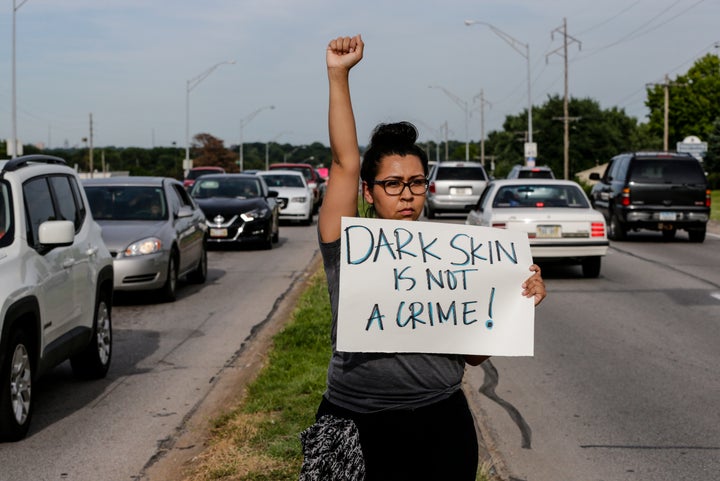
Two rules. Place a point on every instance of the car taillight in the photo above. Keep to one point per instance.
(597, 229)
(431, 187)
(499, 225)
(708, 198)
(539, 204)
(625, 197)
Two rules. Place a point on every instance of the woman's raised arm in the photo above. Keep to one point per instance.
(343, 53)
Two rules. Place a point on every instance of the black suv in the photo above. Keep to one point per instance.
(653, 190)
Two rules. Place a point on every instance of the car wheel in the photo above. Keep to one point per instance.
(169, 290)
(94, 361)
(591, 266)
(199, 275)
(16, 403)
(276, 230)
(669, 234)
(697, 235)
(616, 231)
(429, 213)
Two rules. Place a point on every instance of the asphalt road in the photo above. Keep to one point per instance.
(166, 359)
(624, 384)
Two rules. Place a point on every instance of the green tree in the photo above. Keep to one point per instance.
(694, 102)
(595, 136)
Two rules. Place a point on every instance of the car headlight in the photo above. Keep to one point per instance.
(143, 247)
(254, 214)
(300, 200)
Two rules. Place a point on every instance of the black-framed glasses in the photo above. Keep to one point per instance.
(417, 186)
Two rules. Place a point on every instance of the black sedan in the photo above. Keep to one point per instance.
(239, 208)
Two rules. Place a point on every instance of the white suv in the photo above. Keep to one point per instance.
(56, 280)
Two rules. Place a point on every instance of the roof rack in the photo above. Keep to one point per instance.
(25, 160)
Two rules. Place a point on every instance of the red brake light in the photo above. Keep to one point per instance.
(708, 198)
(539, 204)
(625, 197)
(499, 225)
(431, 187)
(597, 229)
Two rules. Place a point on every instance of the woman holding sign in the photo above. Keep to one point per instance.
(384, 416)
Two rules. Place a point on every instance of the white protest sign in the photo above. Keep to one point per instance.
(435, 288)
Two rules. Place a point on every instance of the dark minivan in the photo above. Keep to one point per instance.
(661, 191)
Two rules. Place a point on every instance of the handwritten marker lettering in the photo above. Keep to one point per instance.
(489, 323)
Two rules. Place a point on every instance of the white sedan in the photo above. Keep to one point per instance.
(556, 215)
(294, 194)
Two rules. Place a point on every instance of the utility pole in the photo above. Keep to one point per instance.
(666, 107)
(566, 117)
(481, 95)
(90, 145)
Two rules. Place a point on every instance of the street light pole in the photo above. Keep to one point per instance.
(463, 105)
(191, 84)
(243, 123)
(515, 44)
(16, 7)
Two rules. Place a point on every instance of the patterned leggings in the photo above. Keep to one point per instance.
(435, 442)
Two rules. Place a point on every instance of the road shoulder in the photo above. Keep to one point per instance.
(175, 456)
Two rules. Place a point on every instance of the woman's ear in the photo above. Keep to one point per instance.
(367, 193)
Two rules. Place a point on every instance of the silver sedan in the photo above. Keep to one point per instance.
(154, 230)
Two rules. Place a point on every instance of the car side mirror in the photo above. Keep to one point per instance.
(184, 212)
(56, 233)
(594, 176)
(273, 193)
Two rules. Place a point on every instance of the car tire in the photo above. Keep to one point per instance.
(276, 231)
(616, 231)
(199, 275)
(669, 234)
(429, 213)
(93, 362)
(591, 266)
(169, 290)
(697, 235)
(16, 376)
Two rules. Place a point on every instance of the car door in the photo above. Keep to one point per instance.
(189, 229)
(55, 269)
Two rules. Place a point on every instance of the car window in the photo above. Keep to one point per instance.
(182, 195)
(39, 207)
(512, 196)
(283, 180)
(460, 173)
(662, 171)
(66, 201)
(230, 187)
(6, 218)
(123, 202)
(535, 174)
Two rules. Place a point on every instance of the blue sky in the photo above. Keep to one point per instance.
(128, 63)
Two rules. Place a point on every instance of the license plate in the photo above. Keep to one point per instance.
(218, 232)
(460, 190)
(667, 216)
(548, 231)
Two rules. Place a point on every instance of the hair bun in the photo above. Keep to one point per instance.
(399, 134)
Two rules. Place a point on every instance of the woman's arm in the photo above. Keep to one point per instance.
(343, 53)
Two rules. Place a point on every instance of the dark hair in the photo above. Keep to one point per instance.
(391, 139)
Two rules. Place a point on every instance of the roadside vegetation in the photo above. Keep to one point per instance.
(715, 209)
(258, 440)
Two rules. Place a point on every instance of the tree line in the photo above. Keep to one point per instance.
(596, 134)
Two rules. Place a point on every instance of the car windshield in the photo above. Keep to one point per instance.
(460, 173)
(194, 174)
(283, 180)
(126, 202)
(663, 171)
(228, 187)
(6, 220)
(514, 196)
(535, 174)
